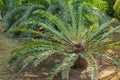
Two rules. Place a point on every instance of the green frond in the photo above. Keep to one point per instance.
(64, 66)
(27, 14)
(26, 61)
(109, 45)
(9, 15)
(36, 62)
(95, 14)
(40, 56)
(93, 64)
(98, 30)
(24, 30)
(77, 23)
(81, 30)
(113, 58)
(34, 32)
(52, 29)
(18, 53)
(14, 15)
(57, 21)
(109, 32)
(32, 47)
(60, 24)
(54, 71)
(73, 25)
(60, 35)
(73, 17)
(26, 45)
(67, 64)
(35, 43)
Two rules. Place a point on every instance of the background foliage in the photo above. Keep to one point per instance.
(14, 17)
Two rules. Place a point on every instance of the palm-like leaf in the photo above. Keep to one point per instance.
(64, 66)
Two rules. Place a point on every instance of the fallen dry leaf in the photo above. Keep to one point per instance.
(30, 75)
(110, 51)
(45, 73)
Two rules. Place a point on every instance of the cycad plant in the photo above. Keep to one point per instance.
(73, 39)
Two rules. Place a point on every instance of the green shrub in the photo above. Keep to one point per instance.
(116, 8)
(16, 11)
(72, 39)
(13, 18)
(18, 15)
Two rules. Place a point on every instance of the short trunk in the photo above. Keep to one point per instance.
(80, 63)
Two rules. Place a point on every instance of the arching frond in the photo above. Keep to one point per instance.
(109, 32)
(113, 58)
(64, 67)
(99, 30)
(27, 61)
(57, 21)
(31, 47)
(93, 64)
(25, 30)
(11, 16)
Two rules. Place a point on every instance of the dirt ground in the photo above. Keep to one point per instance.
(107, 70)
